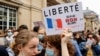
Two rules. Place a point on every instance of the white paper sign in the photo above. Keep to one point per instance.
(58, 17)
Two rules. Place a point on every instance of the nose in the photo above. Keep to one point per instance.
(36, 51)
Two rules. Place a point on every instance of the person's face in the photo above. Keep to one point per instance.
(31, 48)
(90, 36)
(14, 29)
(85, 33)
(41, 34)
(77, 35)
(9, 33)
(53, 48)
(41, 31)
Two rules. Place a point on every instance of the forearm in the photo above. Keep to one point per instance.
(64, 48)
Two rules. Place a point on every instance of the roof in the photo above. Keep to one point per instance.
(90, 13)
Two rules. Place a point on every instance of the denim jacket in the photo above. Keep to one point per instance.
(96, 50)
(77, 53)
(83, 49)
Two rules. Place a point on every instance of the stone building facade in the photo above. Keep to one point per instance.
(16, 12)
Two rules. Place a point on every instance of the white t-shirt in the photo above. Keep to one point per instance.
(10, 39)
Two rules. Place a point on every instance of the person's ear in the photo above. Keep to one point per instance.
(19, 47)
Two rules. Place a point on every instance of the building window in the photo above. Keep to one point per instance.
(8, 17)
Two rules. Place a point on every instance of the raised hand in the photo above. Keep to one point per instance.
(66, 34)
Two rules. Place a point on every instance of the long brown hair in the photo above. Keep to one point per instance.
(55, 40)
(71, 48)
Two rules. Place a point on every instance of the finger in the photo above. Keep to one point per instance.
(69, 35)
(63, 34)
(67, 30)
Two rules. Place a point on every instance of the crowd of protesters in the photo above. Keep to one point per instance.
(35, 42)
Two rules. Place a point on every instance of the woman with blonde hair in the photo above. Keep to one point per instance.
(26, 43)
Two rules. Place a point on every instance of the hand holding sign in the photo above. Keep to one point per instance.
(66, 34)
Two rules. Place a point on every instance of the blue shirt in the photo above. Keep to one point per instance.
(96, 50)
(77, 53)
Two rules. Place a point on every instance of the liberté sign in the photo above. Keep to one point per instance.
(58, 17)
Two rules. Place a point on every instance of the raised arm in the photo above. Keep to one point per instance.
(65, 36)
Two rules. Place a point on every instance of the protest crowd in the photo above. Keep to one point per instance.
(35, 42)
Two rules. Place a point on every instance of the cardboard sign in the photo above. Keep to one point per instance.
(58, 17)
(39, 23)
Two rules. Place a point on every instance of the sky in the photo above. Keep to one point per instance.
(93, 5)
